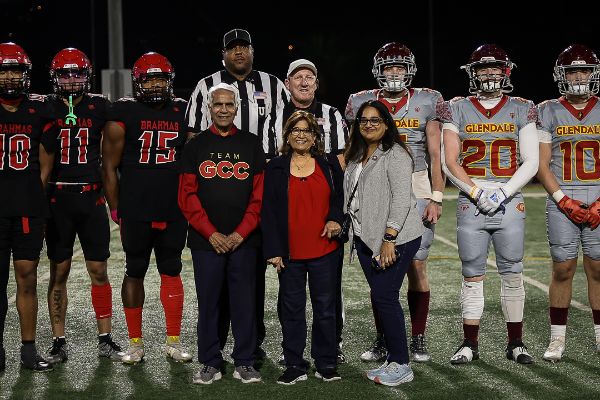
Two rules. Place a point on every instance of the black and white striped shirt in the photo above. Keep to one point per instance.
(333, 126)
(262, 95)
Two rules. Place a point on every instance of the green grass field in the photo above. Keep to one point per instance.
(85, 376)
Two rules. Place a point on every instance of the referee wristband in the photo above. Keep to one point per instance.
(437, 196)
(558, 195)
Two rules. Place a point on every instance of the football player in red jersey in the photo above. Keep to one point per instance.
(144, 139)
(569, 144)
(24, 168)
(77, 205)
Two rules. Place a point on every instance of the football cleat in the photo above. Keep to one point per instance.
(555, 349)
(466, 353)
(135, 352)
(377, 352)
(517, 352)
(207, 375)
(175, 351)
(418, 349)
(109, 349)
(30, 359)
(59, 352)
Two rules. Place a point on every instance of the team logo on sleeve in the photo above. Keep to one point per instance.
(520, 207)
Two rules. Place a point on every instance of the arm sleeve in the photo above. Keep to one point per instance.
(251, 217)
(529, 150)
(400, 178)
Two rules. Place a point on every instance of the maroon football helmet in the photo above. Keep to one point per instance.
(486, 56)
(394, 54)
(13, 57)
(577, 57)
(71, 73)
(152, 65)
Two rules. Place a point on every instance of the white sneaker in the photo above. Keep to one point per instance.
(555, 349)
(135, 352)
(175, 351)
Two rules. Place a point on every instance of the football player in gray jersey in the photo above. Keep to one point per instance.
(490, 152)
(415, 113)
(569, 131)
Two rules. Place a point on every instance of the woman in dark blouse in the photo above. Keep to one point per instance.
(301, 215)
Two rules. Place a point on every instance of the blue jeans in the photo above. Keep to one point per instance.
(322, 281)
(385, 292)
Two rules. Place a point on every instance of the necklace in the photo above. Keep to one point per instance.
(300, 166)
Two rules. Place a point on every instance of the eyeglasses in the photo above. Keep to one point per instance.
(374, 121)
(298, 131)
(310, 79)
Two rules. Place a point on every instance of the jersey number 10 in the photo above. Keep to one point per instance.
(17, 147)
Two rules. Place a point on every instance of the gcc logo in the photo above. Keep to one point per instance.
(224, 169)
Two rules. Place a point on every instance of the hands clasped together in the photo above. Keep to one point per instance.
(225, 243)
(579, 212)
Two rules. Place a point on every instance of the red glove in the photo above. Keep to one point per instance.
(573, 209)
(593, 216)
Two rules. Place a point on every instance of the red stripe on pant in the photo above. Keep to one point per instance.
(25, 223)
(102, 300)
(171, 297)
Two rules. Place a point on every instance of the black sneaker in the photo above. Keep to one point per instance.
(517, 352)
(30, 359)
(2, 359)
(418, 349)
(59, 351)
(109, 349)
(292, 375)
(328, 375)
(341, 357)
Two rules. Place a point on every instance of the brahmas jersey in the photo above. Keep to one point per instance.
(575, 140)
(489, 138)
(411, 114)
(21, 133)
(154, 140)
(77, 157)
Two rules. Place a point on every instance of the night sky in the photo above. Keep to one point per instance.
(341, 40)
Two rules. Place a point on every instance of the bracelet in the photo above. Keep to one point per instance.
(389, 241)
(437, 196)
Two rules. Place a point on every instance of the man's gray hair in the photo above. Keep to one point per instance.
(225, 86)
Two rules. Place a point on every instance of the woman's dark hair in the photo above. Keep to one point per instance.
(356, 150)
(318, 148)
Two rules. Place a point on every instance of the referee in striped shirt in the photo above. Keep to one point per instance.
(302, 83)
(262, 95)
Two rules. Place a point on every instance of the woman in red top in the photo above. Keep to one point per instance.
(301, 215)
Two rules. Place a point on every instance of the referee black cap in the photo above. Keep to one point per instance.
(236, 35)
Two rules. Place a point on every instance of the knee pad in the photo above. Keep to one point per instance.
(136, 268)
(170, 267)
(471, 299)
(426, 241)
(512, 297)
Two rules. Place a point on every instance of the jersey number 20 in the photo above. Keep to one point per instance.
(476, 150)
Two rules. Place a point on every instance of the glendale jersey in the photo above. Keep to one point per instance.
(575, 140)
(154, 139)
(77, 157)
(411, 114)
(21, 133)
(489, 138)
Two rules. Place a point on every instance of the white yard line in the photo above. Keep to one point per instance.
(527, 279)
(46, 276)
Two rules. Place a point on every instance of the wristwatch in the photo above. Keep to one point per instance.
(388, 237)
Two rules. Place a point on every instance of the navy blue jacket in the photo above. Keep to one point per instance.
(274, 214)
